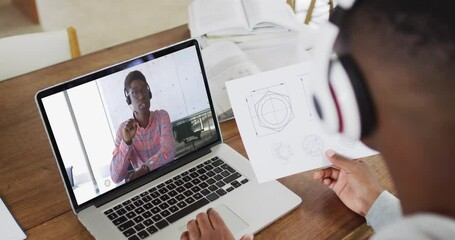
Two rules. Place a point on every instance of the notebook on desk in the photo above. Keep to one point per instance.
(188, 170)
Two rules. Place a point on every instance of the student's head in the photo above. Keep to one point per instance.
(137, 91)
(405, 50)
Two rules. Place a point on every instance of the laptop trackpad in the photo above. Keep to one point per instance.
(234, 222)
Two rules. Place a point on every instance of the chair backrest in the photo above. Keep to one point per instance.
(25, 53)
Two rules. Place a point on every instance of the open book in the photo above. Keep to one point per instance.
(240, 17)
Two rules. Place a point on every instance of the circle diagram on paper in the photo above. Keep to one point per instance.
(313, 145)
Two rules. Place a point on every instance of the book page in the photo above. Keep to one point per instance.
(210, 16)
(270, 13)
(279, 127)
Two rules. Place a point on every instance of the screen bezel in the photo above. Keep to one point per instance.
(126, 187)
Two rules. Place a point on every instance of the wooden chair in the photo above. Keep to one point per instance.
(25, 53)
(310, 8)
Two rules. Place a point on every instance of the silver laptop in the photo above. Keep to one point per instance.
(172, 169)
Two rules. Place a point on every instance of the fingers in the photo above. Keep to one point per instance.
(208, 225)
(129, 130)
(136, 124)
(203, 222)
(328, 181)
(131, 124)
(215, 219)
(330, 172)
(218, 223)
(339, 161)
(328, 176)
(193, 230)
(185, 236)
(247, 237)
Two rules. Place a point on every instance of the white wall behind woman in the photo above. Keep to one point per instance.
(176, 83)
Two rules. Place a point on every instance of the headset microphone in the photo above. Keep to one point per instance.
(132, 109)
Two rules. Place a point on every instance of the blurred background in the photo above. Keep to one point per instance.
(99, 24)
(105, 23)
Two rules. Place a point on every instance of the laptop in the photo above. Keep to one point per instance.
(83, 118)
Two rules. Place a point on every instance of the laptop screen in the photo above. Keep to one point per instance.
(129, 123)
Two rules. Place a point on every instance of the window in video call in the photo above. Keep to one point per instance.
(86, 120)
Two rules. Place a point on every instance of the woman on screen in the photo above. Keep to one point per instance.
(145, 141)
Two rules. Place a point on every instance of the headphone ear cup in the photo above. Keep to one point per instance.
(150, 92)
(355, 104)
(127, 97)
(323, 101)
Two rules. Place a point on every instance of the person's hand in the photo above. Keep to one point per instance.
(352, 181)
(141, 172)
(208, 226)
(129, 131)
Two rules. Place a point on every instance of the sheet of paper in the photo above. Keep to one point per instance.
(279, 127)
(9, 229)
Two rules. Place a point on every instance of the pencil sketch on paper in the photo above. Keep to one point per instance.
(313, 145)
(282, 152)
(270, 109)
(279, 125)
(347, 142)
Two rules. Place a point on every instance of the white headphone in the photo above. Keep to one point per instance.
(340, 95)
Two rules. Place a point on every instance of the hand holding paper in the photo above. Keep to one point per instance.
(279, 127)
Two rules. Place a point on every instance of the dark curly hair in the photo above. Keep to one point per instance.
(418, 29)
(414, 36)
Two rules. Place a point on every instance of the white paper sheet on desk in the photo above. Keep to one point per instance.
(9, 229)
(278, 126)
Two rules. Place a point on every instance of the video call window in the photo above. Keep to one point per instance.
(85, 119)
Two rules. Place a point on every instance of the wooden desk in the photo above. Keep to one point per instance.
(31, 186)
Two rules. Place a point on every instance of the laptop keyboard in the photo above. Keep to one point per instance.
(164, 204)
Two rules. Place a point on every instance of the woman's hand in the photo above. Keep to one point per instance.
(129, 131)
(141, 172)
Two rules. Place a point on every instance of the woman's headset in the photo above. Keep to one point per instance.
(128, 97)
(340, 95)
